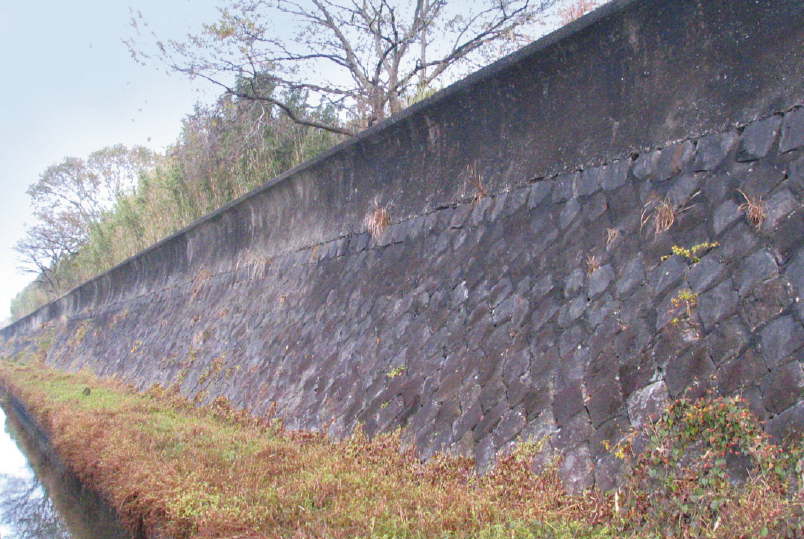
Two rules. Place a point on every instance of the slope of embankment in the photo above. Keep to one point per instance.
(603, 221)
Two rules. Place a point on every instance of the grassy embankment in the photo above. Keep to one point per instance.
(183, 471)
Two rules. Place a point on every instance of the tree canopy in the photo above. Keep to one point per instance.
(365, 59)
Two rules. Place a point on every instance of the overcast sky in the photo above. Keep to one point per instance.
(70, 87)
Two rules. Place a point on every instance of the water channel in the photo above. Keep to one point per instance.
(39, 499)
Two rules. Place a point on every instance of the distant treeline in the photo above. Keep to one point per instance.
(91, 214)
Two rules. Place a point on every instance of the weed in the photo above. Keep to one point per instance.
(592, 264)
(691, 254)
(377, 220)
(213, 471)
(474, 180)
(710, 470)
(202, 277)
(681, 311)
(137, 345)
(659, 213)
(754, 210)
(396, 371)
(611, 236)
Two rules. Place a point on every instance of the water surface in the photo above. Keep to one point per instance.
(39, 499)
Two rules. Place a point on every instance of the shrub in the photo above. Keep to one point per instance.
(708, 469)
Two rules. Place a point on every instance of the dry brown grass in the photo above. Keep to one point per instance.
(754, 210)
(474, 180)
(611, 236)
(592, 264)
(659, 214)
(215, 472)
(176, 470)
(377, 220)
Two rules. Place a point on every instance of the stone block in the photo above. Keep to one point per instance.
(766, 302)
(570, 340)
(615, 174)
(727, 340)
(712, 150)
(683, 188)
(646, 404)
(783, 387)
(688, 370)
(574, 282)
(609, 434)
(645, 163)
(509, 426)
(539, 191)
(736, 242)
(787, 237)
(705, 273)
(500, 291)
(632, 276)
(792, 136)
(568, 402)
(667, 275)
(497, 210)
(542, 286)
(605, 403)
(544, 313)
(577, 470)
(595, 207)
(788, 425)
(757, 139)
(517, 198)
(590, 181)
(598, 311)
(572, 310)
(599, 280)
(725, 214)
(795, 273)
(780, 339)
(741, 372)
(610, 471)
(479, 210)
(485, 453)
(566, 187)
(778, 207)
(489, 420)
(569, 213)
(574, 432)
(757, 268)
(717, 304)
(672, 160)
(469, 418)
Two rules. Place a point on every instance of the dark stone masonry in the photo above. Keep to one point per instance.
(554, 307)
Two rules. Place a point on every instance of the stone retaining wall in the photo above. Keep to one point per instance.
(552, 306)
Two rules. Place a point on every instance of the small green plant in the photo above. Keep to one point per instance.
(396, 371)
(137, 345)
(681, 306)
(692, 253)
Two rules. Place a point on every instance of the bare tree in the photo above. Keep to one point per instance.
(367, 58)
(69, 199)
